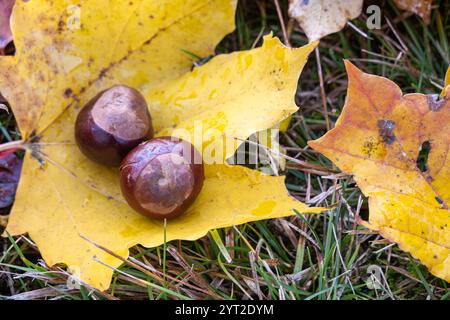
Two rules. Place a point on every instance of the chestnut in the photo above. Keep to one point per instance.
(162, 177)
(112, 123)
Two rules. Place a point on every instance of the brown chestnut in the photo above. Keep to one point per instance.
(112, 123)
(162, 177)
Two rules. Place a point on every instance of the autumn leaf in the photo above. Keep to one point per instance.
(5, 30)
(378, 138)
(63, 198)
(323, 17)
(420, 7)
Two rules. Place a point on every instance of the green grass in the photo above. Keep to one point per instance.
(321, 256)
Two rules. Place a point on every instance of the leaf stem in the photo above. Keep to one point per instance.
(19, 144)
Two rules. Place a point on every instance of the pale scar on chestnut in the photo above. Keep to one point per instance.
(112, 123)
(162, 177)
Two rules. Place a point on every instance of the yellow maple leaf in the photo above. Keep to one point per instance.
(64, 198)
(377, 138)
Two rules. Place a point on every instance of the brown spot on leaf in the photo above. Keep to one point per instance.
(33, 138)
(61, 25)
(439, 200)
(386, 130)
(104, 71)
(68, 92)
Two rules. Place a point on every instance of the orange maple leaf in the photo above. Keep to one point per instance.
(378, 138)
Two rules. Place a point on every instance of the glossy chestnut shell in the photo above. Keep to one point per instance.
(112, 123)
(162, 177)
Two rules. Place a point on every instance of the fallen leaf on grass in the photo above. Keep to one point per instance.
(5, 30)
(319, 18)
(420, 7)
(378, 138)
(63, 196)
